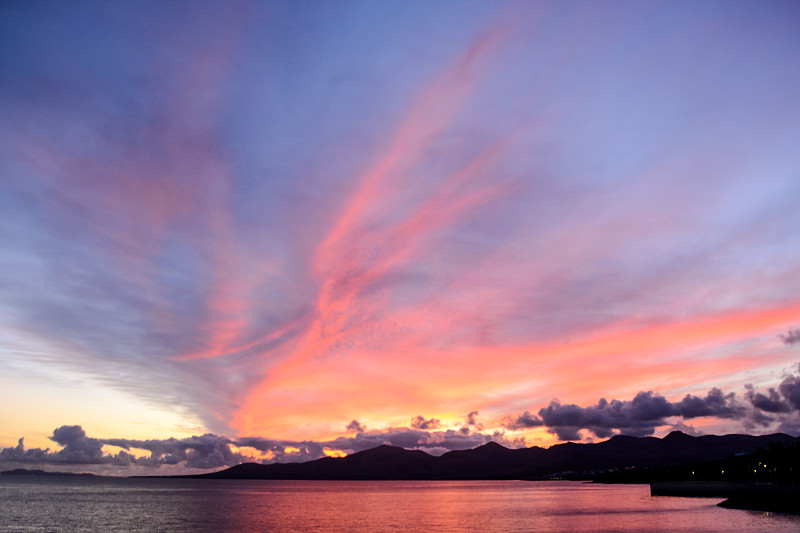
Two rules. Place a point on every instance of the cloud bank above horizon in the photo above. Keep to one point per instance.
(271, 220)
(637, 417)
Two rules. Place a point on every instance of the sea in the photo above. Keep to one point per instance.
(98, 504)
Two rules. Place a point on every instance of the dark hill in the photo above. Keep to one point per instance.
(25, 472)
(383, 462)
(493, 461)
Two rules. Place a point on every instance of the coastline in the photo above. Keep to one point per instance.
(766, 498)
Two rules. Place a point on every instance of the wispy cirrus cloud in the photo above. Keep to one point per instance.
(276, 220)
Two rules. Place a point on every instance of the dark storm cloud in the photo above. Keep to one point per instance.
(471, 423)
(211, 451)
(791, 337)
(790, 390)
(648, 411)
(419, 422)
(786, 399)
(771, 402)
(19, 454)
(204, 451)
(715, 404)
(283, 451)
(355, 427)
(78, 448)
(523, 421)
(638, 417)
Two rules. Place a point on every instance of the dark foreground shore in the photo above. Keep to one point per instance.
(770, 498)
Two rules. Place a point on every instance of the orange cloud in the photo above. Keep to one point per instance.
(388, 384)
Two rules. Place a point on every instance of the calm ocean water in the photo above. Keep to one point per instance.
(167, 505)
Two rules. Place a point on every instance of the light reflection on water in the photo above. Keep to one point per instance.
(175, 505)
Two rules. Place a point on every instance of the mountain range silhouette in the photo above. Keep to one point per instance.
(494, 461)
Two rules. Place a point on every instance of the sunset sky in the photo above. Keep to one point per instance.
(275, 230)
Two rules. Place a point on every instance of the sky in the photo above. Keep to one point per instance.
(273, 231)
